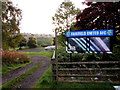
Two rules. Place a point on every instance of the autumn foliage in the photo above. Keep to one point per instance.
(10, 57)
(99, 16)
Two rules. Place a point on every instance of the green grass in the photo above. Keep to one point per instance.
(31, 48)
(40, 48)
(17, 49)
(9, 67)
(23, 48)
(46, 82)
(17, 80)
(11, 49)
(43, 53)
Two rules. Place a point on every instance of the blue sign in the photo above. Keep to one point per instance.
(90, 33)
(89, 45)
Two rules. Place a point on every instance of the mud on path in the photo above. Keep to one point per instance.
(31, 79)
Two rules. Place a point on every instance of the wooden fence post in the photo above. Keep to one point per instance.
(56, 62)
(53, 66)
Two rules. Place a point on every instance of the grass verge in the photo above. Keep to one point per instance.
(26, 48)
(17, 80)
(46, 82)
(40, 48)
(43, 53)
(17, 49)
(9, 67)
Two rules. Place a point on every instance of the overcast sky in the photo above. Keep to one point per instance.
(37, 14)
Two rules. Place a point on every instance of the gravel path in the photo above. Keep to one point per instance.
(30, 81)
(36, 75)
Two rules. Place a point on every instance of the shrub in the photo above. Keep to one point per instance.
(32, 42)
(44, 45)
(10, 57)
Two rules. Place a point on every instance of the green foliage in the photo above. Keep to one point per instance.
(116, 52)
(62, 39)
(62, 56)
(32, 42)
(23, 42)
(91, 57)
(44, 41)
(11, 17)
(115, 56)
(63, 19)
(65, 16)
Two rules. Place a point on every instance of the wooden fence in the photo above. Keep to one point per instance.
(86, 72)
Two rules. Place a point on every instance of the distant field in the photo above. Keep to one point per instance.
(43, 53)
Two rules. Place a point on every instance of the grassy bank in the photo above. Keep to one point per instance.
(25, 48)
(9, 67)
(46, 82)
(17, 80)
(43, 53)
(13, 59)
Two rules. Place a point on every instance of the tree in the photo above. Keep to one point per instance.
(44, 41)
(64, 17)
(32, 42)
(100, 15)
(14, 41)
(23, 42)
(62, 39)
(11, 17)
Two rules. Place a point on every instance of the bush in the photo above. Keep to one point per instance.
(116, 52)
(44, 45)
(44, 41)
(32, 42)
(62, 56)
(11, 57)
